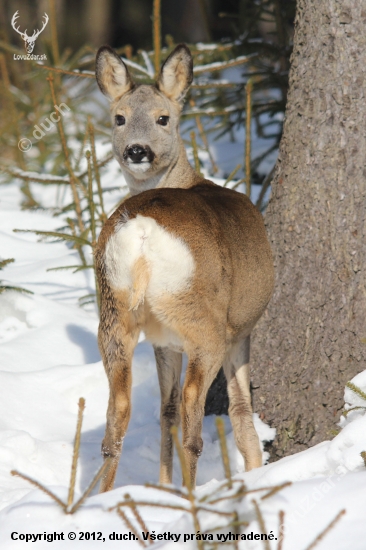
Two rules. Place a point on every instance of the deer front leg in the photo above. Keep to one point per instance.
(237, 371)
(169, 366)
(117, 341)
(201, 371)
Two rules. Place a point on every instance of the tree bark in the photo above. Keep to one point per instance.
(311, 340)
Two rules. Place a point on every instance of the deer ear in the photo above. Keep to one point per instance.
(176, 73)
(112, 75)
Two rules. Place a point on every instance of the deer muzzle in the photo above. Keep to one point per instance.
(137, 153)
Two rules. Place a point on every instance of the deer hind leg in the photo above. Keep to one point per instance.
(169, 365)
(201, 371)
(236, 368)
(117, 340)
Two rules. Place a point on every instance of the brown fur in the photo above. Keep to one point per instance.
(211, 319)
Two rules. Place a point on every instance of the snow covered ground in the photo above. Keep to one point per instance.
(49, 358)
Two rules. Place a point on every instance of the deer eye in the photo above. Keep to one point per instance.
(120, 120)
(163, 120)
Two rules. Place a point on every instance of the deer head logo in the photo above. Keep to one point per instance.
(29, 41)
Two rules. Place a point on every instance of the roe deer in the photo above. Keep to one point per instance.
(186, 261)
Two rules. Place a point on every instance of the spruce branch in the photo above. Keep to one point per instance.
(356, 390)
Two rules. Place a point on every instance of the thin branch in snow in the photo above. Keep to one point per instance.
(129, 526)
(41, 487)
(224, 454)
(275, 490)
(70, 498)
(136, 513)
(326, 530)
(281, 529)
(89, 489)
(261, 523)
(67, 508)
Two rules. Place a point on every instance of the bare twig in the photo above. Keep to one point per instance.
(41, 487)
(136, 513)
(67, 159)
(326, 530)
(183, 465)
(231, 175)
(54, 40)
(220, 426)
(265, 185)
(157, 35)
(130, 526)
(92, 222)
(83, 74)
(275, 490)
(89, 489)
(281, 529)
(204, 137)
(187, 482)
(75, 456)
(248, 135)
(195, 153)
(261, 523)
(103, 216)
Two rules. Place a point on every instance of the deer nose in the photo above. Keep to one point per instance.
(136, 153)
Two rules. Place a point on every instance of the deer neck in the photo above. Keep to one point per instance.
(179, 173)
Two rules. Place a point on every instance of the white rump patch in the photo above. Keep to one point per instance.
(170, 261)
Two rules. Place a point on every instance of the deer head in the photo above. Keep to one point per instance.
(29, 41)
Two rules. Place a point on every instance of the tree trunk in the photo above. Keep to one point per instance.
(311, 340)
